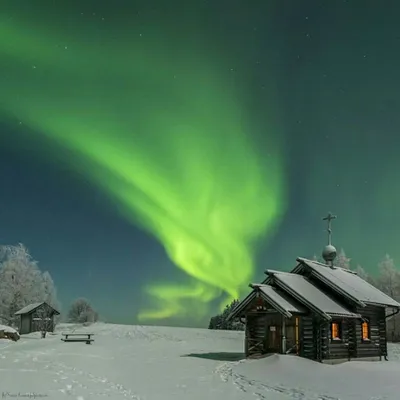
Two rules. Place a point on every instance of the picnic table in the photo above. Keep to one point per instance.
(78, 337)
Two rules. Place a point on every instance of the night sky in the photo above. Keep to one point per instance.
(157, 156)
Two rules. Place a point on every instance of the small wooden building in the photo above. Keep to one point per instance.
(316, 311)
(34, 317)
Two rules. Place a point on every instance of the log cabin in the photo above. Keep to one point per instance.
(317, 311)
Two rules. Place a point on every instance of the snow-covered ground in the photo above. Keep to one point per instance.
(160, 363)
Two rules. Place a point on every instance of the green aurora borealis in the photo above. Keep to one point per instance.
(224, 132)
(167, 138)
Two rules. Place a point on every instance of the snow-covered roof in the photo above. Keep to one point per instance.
(32, 307)
(348, 284)
(280, 300)
(27, 309)
(310, 296)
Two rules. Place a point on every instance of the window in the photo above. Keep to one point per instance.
(365, 331)
(336, 333)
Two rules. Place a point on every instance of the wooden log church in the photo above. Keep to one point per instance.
(317, 311)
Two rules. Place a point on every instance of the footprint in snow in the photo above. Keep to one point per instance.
(67, 390)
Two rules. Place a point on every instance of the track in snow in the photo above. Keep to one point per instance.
(262, 391)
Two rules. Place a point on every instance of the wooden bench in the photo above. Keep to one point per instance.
(78, 337)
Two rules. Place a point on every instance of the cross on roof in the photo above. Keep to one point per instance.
(329, 218)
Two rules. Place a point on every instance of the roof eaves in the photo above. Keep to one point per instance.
(340, 315)
(371, 303)
(30, 308)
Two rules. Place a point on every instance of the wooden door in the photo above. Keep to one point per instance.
(273, 339)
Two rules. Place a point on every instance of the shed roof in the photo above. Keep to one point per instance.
(310, 296)
(32, 307)
(348, 284)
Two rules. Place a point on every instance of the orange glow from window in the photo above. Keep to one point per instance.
(365, 330)
(335, 330)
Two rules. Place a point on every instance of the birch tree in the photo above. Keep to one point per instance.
(81, 311)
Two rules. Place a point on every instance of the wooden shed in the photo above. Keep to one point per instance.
(317, 311)
(35, 316)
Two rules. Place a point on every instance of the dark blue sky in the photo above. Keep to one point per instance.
(331, 69)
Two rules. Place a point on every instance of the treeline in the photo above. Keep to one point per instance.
(22, 283)
(386, 278)
(220, 321)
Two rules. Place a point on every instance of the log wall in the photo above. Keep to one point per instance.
(376, 346)
(307, 344)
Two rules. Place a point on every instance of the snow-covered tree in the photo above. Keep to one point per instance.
(317, 259)
(21, 282)
(221, 321)
(389, 277)
(50, 294)
(365, 275)
(342, 261)
(81, 311)
(50, 291)
(361, 272)
(389, 282)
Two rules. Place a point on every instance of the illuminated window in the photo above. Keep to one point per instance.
(365, 330)
(335, 331)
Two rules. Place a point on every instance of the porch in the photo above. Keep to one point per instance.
(271, 332)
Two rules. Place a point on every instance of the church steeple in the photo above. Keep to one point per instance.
(329, 253)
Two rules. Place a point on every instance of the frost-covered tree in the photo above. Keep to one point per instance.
(361, 272)
(81, 312)
(50, 291)
(389, 282)
(21, 282)
(50, 294)
(389, 277)
(342, 260)
(317, 259)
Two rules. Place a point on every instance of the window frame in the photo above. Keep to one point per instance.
(338, 339)
(368, 339)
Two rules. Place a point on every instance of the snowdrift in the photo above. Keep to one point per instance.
(161, 363)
